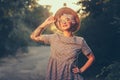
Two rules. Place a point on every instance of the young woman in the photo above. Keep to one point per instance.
(65, 47)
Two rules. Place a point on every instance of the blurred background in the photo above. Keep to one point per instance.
(23, 59)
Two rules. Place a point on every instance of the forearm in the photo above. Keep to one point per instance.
(36, 35)
(37, 31)
(88, 63)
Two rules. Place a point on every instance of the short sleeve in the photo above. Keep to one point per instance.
(85, 48)
(46, 38)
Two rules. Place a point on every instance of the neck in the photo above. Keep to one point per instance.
(68, 33)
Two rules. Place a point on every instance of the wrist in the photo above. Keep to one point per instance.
(42, 28)
(43, 25)
(80, 70)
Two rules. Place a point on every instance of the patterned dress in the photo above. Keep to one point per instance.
(63, 57)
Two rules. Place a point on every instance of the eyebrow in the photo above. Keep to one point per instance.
(69, 16)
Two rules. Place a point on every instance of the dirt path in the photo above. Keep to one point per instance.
(25, 66)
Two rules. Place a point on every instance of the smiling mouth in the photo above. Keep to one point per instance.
(64, 25)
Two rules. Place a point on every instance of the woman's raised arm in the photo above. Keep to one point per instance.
(36, 34)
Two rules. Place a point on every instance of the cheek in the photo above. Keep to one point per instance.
(69, 23)
(60, 25)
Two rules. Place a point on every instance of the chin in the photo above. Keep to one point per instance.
(66, 28)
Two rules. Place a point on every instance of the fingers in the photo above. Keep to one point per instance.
(75, 70)
(49, 20)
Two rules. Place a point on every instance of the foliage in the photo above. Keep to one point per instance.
(17, 20)
(111, 72)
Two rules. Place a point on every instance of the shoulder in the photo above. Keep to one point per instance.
(79, 38)
(48, 35)
(52, 36)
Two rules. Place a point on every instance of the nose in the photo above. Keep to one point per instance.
(64, 22)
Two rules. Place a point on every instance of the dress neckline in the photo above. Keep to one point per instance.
(65, 39)
(66, 36)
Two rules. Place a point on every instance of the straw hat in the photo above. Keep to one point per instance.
(66, 10)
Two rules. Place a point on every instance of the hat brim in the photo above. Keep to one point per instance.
(66, 10)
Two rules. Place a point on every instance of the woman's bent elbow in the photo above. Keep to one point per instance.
(37, 39)
(93, 57)
(33, 37)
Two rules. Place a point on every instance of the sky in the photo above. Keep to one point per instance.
(56, 4)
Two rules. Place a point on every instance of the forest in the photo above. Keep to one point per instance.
(101, 29)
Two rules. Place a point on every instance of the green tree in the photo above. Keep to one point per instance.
(110, 72)
(17, 19)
